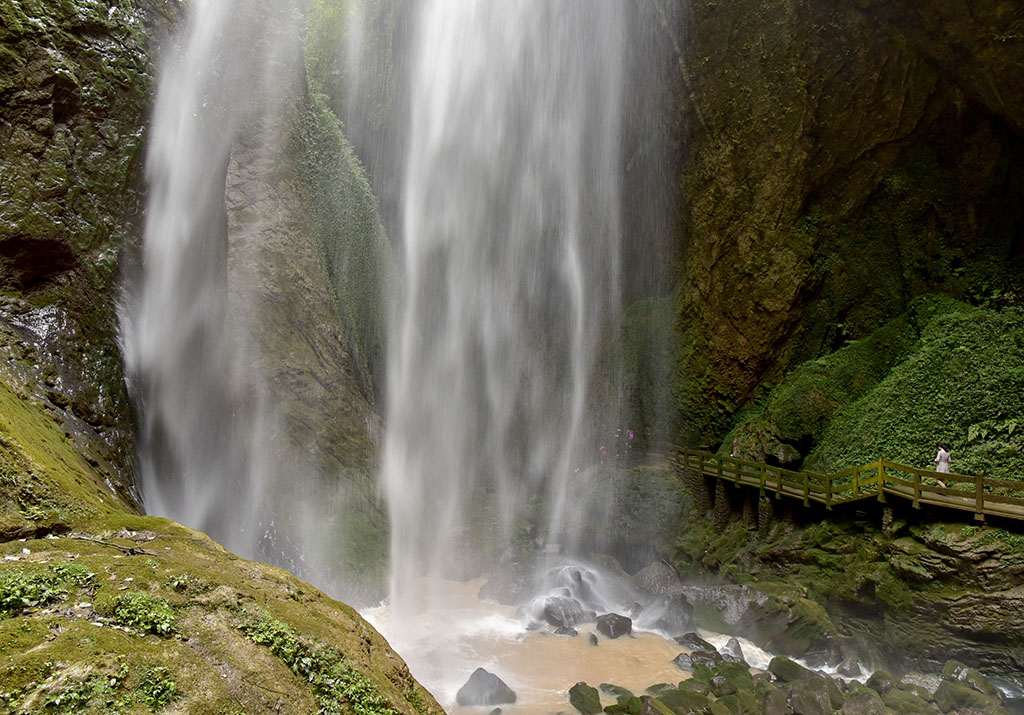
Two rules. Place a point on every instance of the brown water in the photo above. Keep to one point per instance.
(444, 646)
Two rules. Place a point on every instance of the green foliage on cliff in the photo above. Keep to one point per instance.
(943, 371)
(347, 226)
(962, 385)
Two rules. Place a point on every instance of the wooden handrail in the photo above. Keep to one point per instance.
(876, 480)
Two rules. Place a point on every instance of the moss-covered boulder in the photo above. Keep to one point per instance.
(103, 609)
(585, 698)
(952, 696)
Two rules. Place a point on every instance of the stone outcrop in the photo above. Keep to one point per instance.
(74, 100)
(837, 161)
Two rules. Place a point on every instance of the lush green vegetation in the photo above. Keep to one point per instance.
(943, 371)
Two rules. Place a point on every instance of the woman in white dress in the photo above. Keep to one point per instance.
(942, 459)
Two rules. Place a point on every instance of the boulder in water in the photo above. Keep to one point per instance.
(484, 688)
(585, 698)
(658, 579)
(671, 614)
(709, 658)
(693, 642)
(566, 631)
(956, 671)
(849, 668)
(733, 651)
(614, 625)
(562, 611)
(683, 661)
(786, 670)
(593, 639)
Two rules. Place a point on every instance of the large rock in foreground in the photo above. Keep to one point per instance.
(104, 608)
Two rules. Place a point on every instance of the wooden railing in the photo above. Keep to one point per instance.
(878, 480)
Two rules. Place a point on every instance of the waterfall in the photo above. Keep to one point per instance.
(510, 245)
(213, 451)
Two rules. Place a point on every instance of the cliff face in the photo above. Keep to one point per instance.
(74, 97)
(838, 161)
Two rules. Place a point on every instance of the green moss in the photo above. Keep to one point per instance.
(355, 250)
(336, 684)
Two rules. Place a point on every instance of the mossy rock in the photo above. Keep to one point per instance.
(786, 670)
(742, 703)
(141, 611)
(882, 681)
(957, 672)
(684, 701)
(654, 706)
(585, 698)
(904, 702)
(951, 696)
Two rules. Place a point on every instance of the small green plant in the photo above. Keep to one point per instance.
(156, 687)
(95, 693)
(142, 612)
(337, 686)
(22, 588)
(31, 587)
(187, 583)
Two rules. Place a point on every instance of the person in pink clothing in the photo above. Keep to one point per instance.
(942, 459)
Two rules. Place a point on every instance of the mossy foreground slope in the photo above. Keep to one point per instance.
(104, 611)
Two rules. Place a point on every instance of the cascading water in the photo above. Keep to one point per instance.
(214, 452)
(510, 234)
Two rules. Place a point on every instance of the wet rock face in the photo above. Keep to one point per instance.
(613, 625)
(74, 100)
(836, 156)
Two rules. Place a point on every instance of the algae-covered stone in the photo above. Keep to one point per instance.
(741, 703)
(809, 697)
(864, 703)
(585, 698)
(616, 691)
(683, 700)
(951, 696)
(958, 672)
(905, 702)
(787, 670)
(653, 706)
(882, 681)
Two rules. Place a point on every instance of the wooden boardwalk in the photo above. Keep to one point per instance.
(878, 480)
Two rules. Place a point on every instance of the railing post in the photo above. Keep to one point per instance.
(979, 495)
(917, 489)
(828, 492)
(778, 481)
(881, 479)
(807, 489)
(856, 482)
